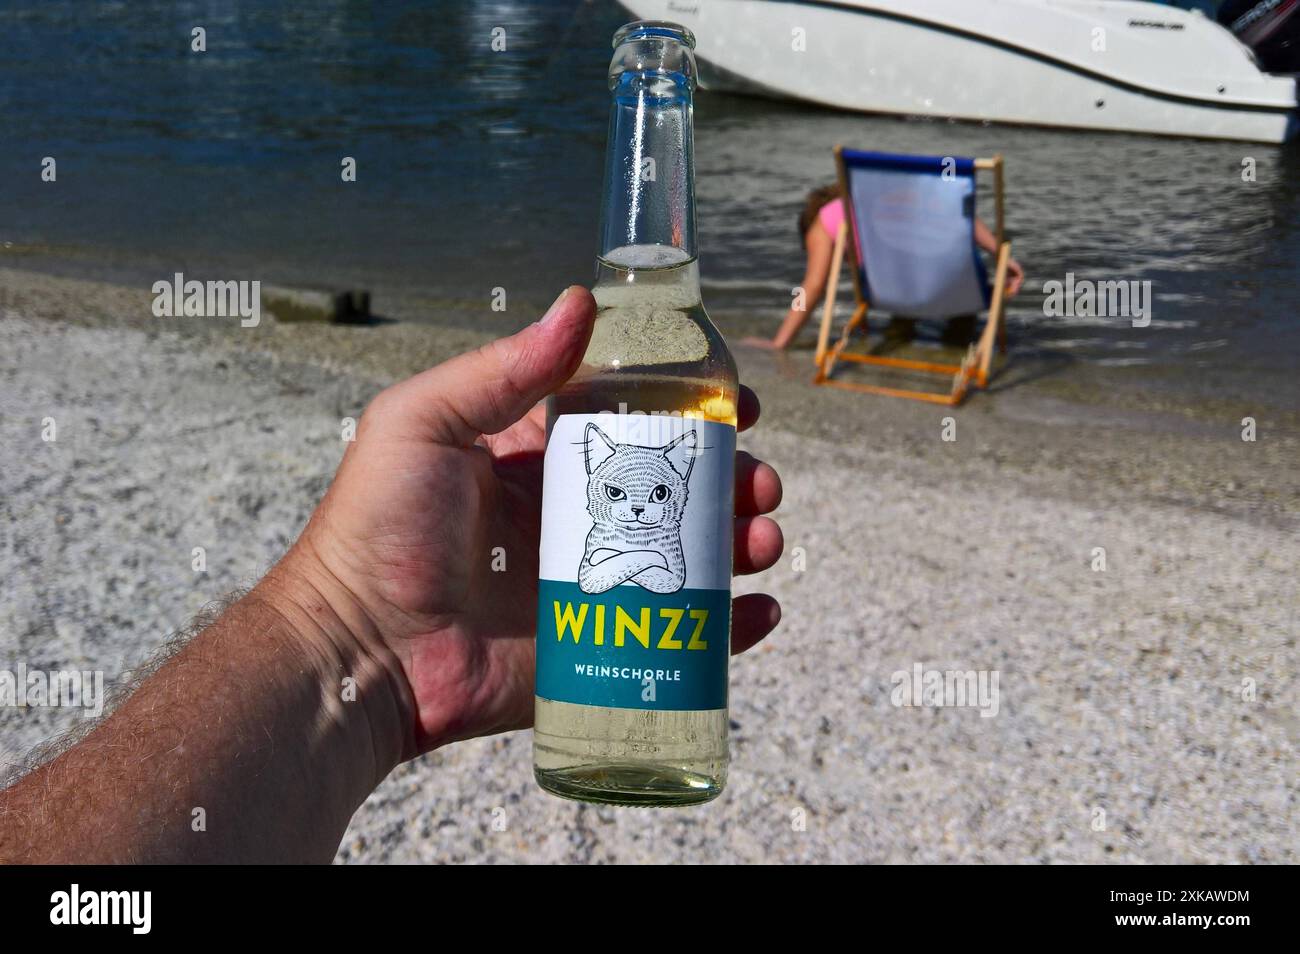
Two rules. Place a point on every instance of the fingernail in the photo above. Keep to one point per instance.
(555, 307)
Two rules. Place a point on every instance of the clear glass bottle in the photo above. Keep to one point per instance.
(661, 373)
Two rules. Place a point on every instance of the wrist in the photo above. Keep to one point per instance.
(363, 688)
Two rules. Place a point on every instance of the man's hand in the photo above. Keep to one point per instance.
(400, 564)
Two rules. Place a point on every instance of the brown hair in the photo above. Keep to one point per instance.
(817, 199)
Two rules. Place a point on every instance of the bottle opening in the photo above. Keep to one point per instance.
(654, 52)
(643, 29)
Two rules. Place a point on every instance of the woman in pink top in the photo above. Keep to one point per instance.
(818, 225)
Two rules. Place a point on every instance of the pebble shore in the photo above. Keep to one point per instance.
(1146, 712)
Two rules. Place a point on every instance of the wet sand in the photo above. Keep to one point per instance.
(1122, 731)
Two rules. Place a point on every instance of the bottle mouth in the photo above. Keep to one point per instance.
(647, 29)
(654, 52)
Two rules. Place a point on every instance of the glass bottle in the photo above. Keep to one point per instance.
(634, 615)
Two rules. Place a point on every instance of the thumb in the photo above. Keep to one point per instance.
(485, 391)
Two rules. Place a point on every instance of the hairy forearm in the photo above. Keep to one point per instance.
(243, 747)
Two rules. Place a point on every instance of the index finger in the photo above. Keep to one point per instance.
(747, 409)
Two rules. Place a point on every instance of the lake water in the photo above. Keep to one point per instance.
(480, 169)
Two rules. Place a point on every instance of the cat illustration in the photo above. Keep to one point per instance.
(636, 496)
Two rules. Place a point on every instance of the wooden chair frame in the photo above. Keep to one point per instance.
(974, 368)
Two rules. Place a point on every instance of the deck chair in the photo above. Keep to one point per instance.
(912, 221)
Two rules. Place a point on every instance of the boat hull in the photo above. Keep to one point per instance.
(1090, 65)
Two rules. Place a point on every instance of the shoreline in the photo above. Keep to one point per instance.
(1211, 383)
(1134, 437)
(1120, 688)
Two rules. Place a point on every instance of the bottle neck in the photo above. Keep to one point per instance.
(648, 218)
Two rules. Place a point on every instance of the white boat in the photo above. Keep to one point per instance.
(1093, 64)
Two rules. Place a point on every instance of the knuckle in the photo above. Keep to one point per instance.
(379, 409)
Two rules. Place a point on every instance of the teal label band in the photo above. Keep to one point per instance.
(629, 648)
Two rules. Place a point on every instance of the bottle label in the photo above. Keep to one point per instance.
(634, 607)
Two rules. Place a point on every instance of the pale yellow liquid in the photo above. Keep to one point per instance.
(654, 349)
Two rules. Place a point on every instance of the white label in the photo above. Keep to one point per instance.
(657, 486)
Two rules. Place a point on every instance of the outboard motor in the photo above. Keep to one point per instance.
(1271, 28)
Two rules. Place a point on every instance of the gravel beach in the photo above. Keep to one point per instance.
(1146, 712)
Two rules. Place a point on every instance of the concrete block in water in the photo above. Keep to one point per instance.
(347, 306)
